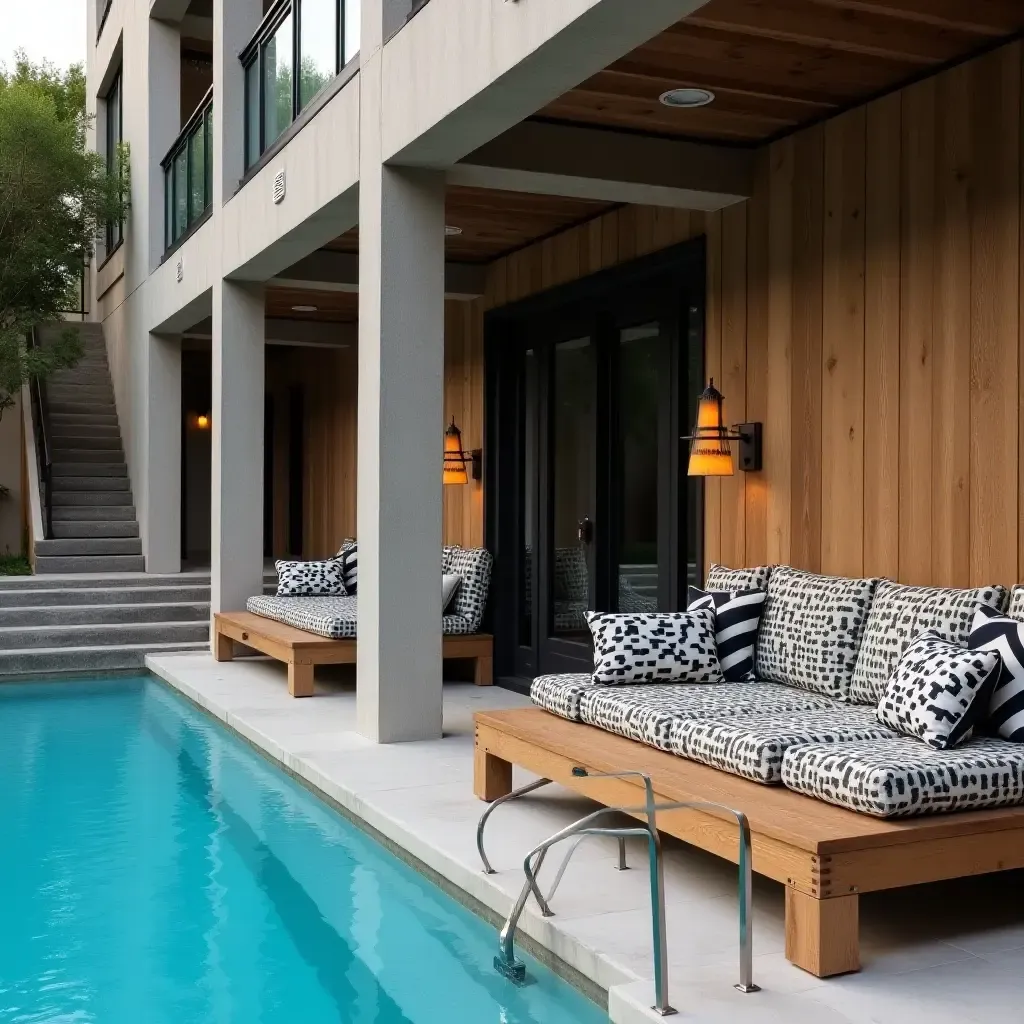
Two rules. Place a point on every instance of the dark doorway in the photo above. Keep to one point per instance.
(590, 387)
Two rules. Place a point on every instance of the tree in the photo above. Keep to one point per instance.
(54, 196)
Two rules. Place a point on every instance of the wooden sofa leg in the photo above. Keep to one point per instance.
(300, 680)
(492, 776)
(483, 670)
(822, 936)
(223, 647)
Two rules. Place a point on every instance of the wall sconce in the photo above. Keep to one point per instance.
(454, 471)
(710, 454)
(203, 421)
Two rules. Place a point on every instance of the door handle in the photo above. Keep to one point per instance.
(585, 530)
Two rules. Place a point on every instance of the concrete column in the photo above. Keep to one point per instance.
(234, 22)
(160, 500)
(400, 425)
(236, 529)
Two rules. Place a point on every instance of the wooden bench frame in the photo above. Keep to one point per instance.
(826, 856)
(302, 651)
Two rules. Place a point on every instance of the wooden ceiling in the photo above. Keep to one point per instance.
(774, 65)
(331, 306)
(495, 222)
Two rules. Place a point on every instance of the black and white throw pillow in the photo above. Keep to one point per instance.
(309, 579)
(737, 616)
(938, 691)
(449, 584)
(350, 567)
(991, 631)
(659, 647)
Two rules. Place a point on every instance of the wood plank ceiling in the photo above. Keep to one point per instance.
(331, 306)
(775, 65)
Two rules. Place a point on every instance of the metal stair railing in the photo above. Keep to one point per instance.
(44, 455)
(506, 962)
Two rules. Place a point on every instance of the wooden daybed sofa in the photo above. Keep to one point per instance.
(837, 804)
(304, 631)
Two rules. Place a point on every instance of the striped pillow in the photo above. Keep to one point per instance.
(737, 617)
(350, 568)
(991, 631)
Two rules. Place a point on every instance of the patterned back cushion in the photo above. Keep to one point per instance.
(474, 566)
(898, 613)
(1016, 609)
(811, 629)
(938, 691)
(721, 578)
(309, 579)
(572, 578)
(664, 647)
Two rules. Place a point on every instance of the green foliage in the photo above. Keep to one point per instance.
(14, 565)
(54, 195)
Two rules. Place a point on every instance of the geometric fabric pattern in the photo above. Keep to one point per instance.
(721, 578)
(737, 617)
(474, 566)
(309, 579)
(561, 693)
(994, 632)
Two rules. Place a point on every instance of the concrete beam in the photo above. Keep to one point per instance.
(618, 167)
(329, 271)
(279, 331)
(512, 59)
(168, 10)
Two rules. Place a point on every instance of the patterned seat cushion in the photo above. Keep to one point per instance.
(903, 777)
(811, 629)
(898, 614)
(333, 617)
(561, 694)
(721, 578)
(649, 712)
(753, 745)
(474, 566)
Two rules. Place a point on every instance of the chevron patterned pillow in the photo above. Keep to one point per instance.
(991, 631)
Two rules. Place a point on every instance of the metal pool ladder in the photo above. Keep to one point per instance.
(511, 967)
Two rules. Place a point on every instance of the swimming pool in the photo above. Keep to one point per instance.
(155, 870)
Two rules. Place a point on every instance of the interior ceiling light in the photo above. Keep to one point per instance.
(304, 309)
(452, 229)
(686, 98)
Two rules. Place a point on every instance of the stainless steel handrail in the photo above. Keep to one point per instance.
(507, 963)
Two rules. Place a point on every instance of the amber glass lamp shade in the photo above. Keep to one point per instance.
(454, 471)
(710, 454)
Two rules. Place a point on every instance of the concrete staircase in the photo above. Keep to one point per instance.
(59, 625)
(94, 523)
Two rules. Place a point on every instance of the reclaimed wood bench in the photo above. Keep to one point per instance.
(824, 855)
(302, 651)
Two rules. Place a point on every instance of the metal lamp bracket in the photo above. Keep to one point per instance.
(749, 437)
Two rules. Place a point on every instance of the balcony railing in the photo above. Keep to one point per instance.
(188, 173)
(300, 47)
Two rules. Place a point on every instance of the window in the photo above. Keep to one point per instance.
(112, 142)
(300, 47)
(188, 173)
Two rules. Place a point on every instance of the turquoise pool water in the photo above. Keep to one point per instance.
(155, 870)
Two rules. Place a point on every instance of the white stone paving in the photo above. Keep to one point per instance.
(934, 954)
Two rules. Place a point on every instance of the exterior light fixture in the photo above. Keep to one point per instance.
(455, 471)
(203, 421)
(304, 309)
(710, 454)
(686, 99)
(452, 229)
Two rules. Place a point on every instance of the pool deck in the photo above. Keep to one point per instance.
(933, 954)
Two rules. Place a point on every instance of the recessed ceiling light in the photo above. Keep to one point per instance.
(687, 98)
(304, 309)
(452, 229)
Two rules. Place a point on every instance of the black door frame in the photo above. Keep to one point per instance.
(672, 282)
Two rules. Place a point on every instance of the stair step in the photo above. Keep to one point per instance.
(63, 548)
(90, 483)
(81, 408)
(90, 593)
(81, 529)
(90, 563)
(83, 373)
(109, 581)
(78, 443)
(91, 419)
(62, 431)
(93, 513)
(80, 392)
(49, 662)
(65, 498)
(27, 638)
(79, 456)
(81, 469)
(28, 616)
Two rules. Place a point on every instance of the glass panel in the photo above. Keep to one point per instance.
(318, 56)
(350, 40)
(208, 162)
(168, 205)
(573, 428)
(694, 485)
(528, 433)
(113, 141)
(197, 177)
(252, 113)
(640, 363)
(277, 82)
(180, 193)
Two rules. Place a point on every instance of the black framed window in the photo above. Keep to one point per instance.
(299, 48)
(188, 173)
(114, 232)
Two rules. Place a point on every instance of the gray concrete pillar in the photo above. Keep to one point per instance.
(160, 500)
(236, 528)
(400, 425)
